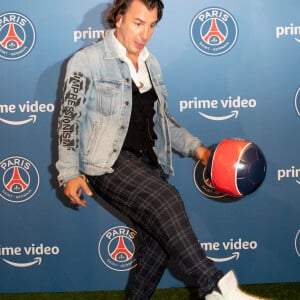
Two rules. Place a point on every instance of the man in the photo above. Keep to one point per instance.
(116, 134)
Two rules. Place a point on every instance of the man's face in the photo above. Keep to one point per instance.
(135, 27)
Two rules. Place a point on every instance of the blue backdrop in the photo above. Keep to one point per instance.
(232, 70)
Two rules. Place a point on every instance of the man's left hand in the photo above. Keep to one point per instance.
(203, 154)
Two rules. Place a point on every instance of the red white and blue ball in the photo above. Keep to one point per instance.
(236, 167)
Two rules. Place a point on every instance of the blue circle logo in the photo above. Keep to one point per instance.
(116, 248)
(20, 179)
(214, 31)
(297, 243)
(297, 102)
(17, 36)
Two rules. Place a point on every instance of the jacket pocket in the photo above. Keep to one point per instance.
(108, 95)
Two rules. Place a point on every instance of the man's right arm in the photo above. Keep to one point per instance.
(73, 104)
(75, 95)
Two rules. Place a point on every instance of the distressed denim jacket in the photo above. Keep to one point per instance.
(95, 113)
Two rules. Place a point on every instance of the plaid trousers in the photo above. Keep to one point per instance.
(140, 191)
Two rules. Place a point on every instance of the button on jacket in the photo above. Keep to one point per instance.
(95, 113)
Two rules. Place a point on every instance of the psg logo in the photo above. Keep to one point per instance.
(297, 243)
(116, 248)
(214, 31)
(17, 36)
(297, 102)
(20, 179)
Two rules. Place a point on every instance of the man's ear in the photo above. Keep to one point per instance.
(119, 20)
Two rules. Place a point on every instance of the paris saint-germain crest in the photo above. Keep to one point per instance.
(116, 248)
(214, 31)
(20, 179)
(17, 36)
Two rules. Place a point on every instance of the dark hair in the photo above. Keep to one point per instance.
(120, 7)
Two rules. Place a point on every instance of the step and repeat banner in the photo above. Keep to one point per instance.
(232, 70)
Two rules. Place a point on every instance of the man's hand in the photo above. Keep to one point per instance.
(203, 154)
(73, 190)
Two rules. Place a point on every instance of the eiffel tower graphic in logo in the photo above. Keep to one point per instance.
(16, 184)
(121, 252)
(12, 40)
(214, 35)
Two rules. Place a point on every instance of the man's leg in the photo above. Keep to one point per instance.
(152, 261)
(137, 191)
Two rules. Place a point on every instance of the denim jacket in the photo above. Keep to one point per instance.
(95, 113)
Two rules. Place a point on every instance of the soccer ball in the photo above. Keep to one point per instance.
(236, 167)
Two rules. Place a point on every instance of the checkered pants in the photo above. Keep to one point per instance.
(140, 191)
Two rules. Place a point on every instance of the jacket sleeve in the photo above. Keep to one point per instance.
(76, 89)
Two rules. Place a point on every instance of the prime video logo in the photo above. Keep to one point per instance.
(290, 173)
(88, 34)
(230, 107)
(291, 30)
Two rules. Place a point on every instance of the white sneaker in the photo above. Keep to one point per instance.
(228, 286)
